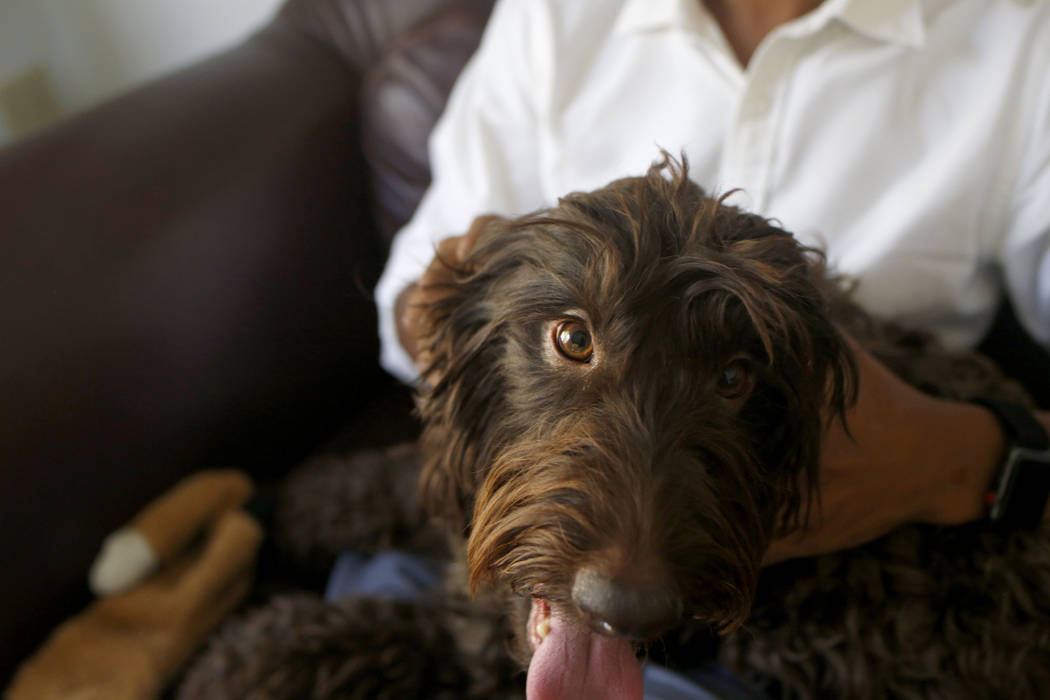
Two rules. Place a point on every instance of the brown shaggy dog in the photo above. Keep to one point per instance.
(627, 405)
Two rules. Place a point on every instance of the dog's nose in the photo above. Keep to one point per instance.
(640, 612)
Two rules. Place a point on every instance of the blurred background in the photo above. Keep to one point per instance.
(60, 56)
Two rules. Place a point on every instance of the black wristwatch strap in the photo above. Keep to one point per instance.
(1019, 494)
(1018, 423)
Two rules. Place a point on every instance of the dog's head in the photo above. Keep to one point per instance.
(629, 398)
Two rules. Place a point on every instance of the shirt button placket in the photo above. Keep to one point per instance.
(747, 159)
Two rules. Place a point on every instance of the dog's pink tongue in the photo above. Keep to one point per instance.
(574, 664)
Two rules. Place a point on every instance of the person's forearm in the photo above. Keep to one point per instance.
(972, 443)
(966, 441)
(906, 457)
(405, 334)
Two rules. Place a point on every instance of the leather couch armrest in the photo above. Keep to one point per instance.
(185, 283)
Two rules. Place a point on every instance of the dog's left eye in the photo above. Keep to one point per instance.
(573, 340)
(734, 380)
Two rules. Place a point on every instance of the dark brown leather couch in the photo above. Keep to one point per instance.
(186, 274)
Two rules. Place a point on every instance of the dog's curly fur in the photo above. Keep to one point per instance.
(302, 647)
(924, 612)
(552, 465)
(635, 460)
(319, 511)
(297, 646)
(649, 458)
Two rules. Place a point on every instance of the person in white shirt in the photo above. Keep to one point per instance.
(910, 139)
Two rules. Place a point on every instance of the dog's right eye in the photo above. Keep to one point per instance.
(573, 340)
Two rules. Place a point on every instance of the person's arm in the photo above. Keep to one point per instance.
(485, 154)
(908, 457)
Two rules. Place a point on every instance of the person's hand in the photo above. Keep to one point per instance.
(450, 255)
(908, 457)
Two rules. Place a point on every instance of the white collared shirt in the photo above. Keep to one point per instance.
(910, 139)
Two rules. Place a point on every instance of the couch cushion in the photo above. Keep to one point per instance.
(404, 93)
(357, 31)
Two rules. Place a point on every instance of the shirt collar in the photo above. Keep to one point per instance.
(637, 16)
(894, 21)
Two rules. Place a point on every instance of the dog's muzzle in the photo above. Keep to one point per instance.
(614, 608)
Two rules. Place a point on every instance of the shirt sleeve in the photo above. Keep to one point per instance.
(484, 155)
(1025, 254)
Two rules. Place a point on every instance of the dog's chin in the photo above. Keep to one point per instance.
(569, 661)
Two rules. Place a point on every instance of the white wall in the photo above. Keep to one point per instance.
(94, 49)
(21, 36)
(103, 46)
(22, 42)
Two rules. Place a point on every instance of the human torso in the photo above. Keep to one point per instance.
(889, 146)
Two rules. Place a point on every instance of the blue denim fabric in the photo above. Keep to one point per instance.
(402, 576)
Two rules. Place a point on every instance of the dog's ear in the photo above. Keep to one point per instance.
(774, 306)
(753, 292)
(463, 391)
